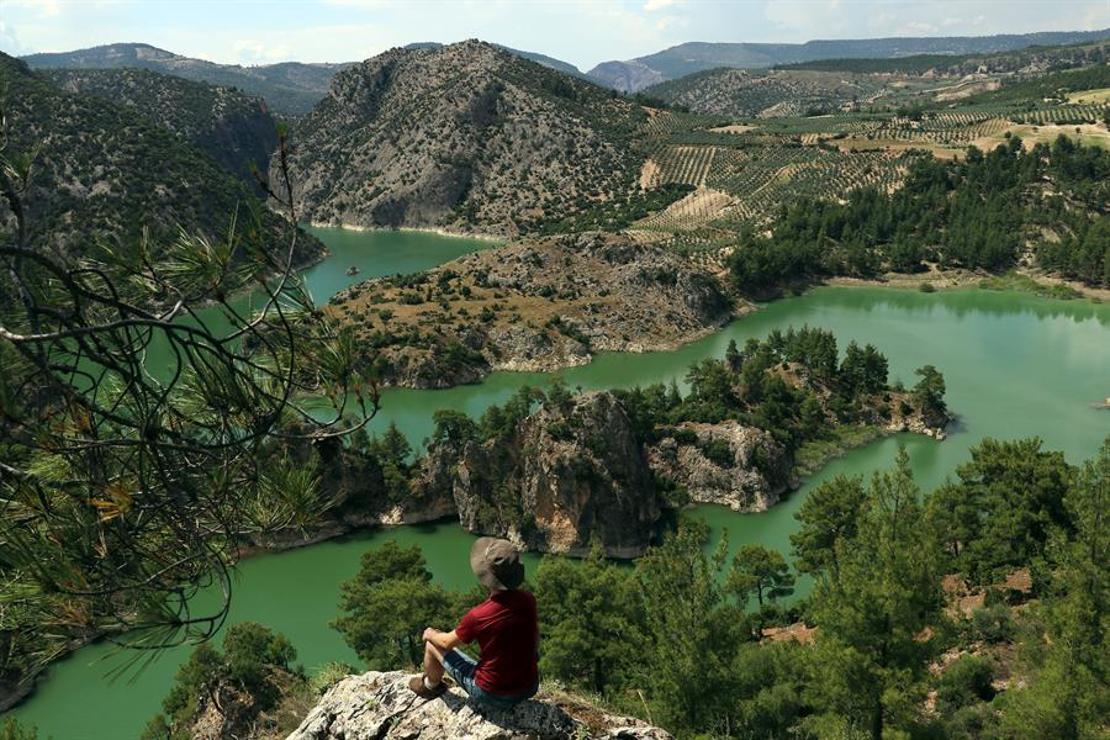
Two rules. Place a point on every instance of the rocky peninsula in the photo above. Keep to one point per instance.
(535, 305)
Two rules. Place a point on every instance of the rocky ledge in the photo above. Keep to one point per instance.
(379, 706)
(537, 306)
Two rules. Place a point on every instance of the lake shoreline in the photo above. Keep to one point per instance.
(1021, 280)
(1056, 389)
(438, 231)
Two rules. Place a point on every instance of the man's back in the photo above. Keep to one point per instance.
(505, 626)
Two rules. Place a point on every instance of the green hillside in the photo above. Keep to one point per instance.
(103, 170)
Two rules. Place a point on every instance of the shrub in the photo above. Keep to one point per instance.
(719, 452)
(965, 682)
(992, 624)
(329, 675)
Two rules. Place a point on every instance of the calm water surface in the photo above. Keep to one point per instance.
(1015, 365)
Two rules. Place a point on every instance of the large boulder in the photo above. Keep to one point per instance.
(379, 706)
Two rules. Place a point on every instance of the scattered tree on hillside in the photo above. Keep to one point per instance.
(760, 571)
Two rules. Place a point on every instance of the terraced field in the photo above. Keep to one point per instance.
(949, 129)
(687, 165)
(738, 184)
(697, 209)
(744, 169)
(1088, 113)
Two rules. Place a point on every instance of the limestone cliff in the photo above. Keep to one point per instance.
(563, 477)
(750, 474)
(379, 706)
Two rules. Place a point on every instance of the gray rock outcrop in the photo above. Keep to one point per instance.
(564, 477)
(749, 477)
(379, 706)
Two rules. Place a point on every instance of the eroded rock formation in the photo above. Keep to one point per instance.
(564, 476)
(749, 476)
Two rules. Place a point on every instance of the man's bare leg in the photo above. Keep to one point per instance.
(433, 664)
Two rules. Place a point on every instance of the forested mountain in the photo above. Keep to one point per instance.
(105, 170)
(234, 129)
(1033, 58)
(289, 88)
(691, 57)
(750, 93)
(466, 137)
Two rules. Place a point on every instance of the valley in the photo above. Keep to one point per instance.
(995, 349)
(682, 311)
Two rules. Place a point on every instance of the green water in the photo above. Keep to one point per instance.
(374, 253)
(1016, 366)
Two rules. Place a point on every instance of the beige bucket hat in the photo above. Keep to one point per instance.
(497, 563)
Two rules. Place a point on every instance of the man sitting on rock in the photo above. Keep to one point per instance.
(506, 628)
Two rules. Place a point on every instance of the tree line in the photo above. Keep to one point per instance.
(682, 637)
(979, 212)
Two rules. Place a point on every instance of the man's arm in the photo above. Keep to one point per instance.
(444, 641)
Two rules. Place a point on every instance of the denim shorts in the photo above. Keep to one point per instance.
(461, 667)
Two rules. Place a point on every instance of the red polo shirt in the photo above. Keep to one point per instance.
(506, 627)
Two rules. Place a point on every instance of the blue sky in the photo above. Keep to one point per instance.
(581, 32)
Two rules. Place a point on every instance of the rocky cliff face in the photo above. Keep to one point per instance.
(467, 137)
(749, 475)
(564, 477)
(535, 305)
(379, 706)
(627, 77)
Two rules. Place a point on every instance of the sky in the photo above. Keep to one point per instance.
(582, 32)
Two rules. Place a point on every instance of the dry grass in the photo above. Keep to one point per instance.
(735, 128)
(1085, 133)
(1090, 96)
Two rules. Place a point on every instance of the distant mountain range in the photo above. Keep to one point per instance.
(289, 88)
(685, 59)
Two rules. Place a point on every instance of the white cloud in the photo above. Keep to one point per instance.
(42, 8)
(9, 42)
(807, 20)
(652, 5)
(918, 28)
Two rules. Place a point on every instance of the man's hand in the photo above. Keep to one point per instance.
(430, 634)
